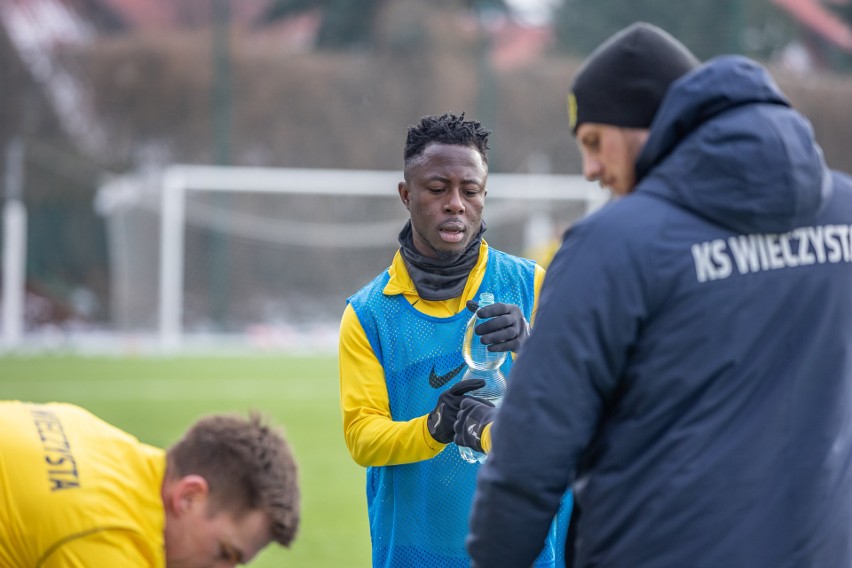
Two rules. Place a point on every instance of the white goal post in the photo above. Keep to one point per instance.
(295, 241)
(180, 179)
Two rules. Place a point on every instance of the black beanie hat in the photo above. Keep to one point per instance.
(624, 80)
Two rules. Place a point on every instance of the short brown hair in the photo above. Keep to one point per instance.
(248, 466)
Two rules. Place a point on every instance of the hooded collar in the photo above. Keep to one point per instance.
(727, 145)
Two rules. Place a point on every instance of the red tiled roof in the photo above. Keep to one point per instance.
(515, 44)
(816, 17)
(158, 14)
(143, 14)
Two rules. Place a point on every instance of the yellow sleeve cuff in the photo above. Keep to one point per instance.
(486, 438)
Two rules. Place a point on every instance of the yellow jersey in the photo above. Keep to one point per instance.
(76, 492)
(372, 436)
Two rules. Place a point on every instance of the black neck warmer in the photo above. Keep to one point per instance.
(437, 278)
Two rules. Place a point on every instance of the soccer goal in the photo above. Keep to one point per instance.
(273, 252)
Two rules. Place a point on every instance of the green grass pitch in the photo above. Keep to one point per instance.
(157, 398)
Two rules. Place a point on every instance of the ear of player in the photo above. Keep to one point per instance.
(506, 328)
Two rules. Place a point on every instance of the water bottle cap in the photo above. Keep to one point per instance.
(486, 298)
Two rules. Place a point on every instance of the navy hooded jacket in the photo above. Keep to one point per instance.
(690, 370)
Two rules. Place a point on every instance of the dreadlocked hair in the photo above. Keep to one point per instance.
(446, 129)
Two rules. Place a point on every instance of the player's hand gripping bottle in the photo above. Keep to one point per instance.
(483, 364)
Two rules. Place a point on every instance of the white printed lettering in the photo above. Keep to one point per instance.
(701, 257)
(774, 248)
(832, 244)
(744, 250)
(843, 232)
(787, 252)
(757, 252)
(817, 236)
(805, 256)
(761, 248)
(720, 257)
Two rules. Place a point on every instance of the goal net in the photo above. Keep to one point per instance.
(273, 253)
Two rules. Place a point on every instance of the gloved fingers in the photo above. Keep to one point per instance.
(463, 421)
(460, 426)
(474, 411)
(505, 339)
(441, 420)
(500, 334)
(469, 438)
(497, 323)
(504, 347)
(466, 385)
(471, 420)
(471, 401)
(472, 305)
(500, 309)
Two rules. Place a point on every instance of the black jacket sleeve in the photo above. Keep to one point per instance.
(588, 317)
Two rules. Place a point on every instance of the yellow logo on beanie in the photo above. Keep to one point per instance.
(572, 111)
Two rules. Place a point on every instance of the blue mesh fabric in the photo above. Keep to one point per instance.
(419, 512)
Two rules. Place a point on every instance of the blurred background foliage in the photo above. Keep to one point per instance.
(708, 28)
(330, 84)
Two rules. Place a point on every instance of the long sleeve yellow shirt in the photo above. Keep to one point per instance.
(372, 436)
(76, 492)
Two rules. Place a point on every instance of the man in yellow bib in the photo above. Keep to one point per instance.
(401, 364)
(76, 492)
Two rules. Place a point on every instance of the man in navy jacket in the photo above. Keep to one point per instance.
(690, 373)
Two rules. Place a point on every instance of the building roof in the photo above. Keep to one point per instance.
(816, 17)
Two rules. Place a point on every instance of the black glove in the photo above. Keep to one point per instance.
(505, 331)
(441, 419)
(475, 414)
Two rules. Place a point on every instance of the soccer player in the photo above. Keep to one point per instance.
(401, 365)
(77, 492)
(690, 372)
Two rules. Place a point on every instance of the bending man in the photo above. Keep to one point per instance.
(78, 492)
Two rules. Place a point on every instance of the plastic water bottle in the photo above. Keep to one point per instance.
(482, 364)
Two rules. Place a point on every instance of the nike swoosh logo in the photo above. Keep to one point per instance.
(437, 381)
